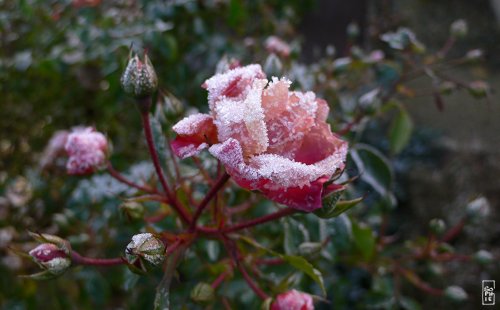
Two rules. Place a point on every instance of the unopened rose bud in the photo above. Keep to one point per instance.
(292, 300)
(145, 252)
(51, 258)
(437, 226)
(273, 65)
(139, 78)
(479, 89)
(458, 28)
(447, 87)
(275, 45)
(455, 293)
(474, 55)
(483, 257)
(202, 293)
(478, 208)
(133, 210)
(353, 31)
(87, 150)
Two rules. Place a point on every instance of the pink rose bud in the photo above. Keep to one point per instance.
(51, 258)
(277, 46)
(293, 300)
(269, 138)
(87, 150)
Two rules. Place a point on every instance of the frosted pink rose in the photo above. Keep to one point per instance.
(87, 150)
(278, 46)
(293, 300)
(269, 138)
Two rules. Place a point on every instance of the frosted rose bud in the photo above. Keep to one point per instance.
(276, 45)
(458, 28)
(87, 151)
(51, 258)
(139, 78)
(293, 300)
(269, 138)
(145, 251)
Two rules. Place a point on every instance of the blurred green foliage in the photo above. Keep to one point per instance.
(60, 65)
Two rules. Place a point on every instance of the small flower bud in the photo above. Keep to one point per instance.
(455, 293)
(139, 78)
(437, 226)
(293, 300)
(51, 258)
(483, 257)
(275, 45)
(353, 31)
(273, 65)
(133, 210)
(479, 89)
(474, 55)
(478, 208)
(447, 87)
(202, 293)
(87, 150)
(458, 28)
(145, 252)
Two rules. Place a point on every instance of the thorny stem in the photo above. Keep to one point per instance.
(118, 176)
(260, 220)
(82, 260)
(183, 213)
(204, 203)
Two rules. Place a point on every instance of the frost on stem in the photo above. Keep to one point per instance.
(87, 150)
(269, 138)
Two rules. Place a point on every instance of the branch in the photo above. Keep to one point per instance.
(204, 203)
(260, 220)
(183, 213)
(82, 260)
(118, 176)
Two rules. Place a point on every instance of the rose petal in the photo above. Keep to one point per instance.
(232, 84)
(285, 181)
(193, 135)
(243, 120)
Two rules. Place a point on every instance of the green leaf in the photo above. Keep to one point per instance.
(333, 208)
(298, 262)
(162, 298)
(400, 131)
(374, 167)
(364, 240)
